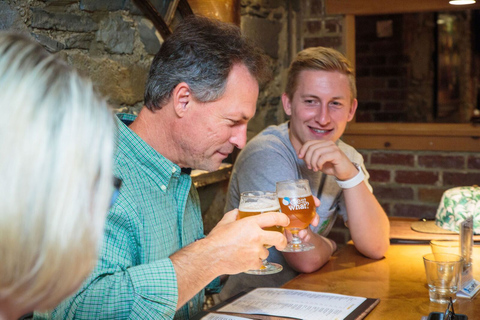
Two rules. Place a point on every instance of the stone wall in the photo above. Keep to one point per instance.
(110, 41)
(266, 23)
(114, 44)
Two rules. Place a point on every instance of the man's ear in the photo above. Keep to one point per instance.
(182, 97)
(353, 108)
(287, 106)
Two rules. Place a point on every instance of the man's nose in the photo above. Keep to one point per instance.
(323, 116)
(239, 136)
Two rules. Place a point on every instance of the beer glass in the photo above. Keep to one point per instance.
(296, 201)
(258, 202)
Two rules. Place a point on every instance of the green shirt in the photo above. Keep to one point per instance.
(156, 214)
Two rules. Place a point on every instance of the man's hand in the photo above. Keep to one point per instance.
(240, 243)
(368, 224)
(233, 246)
(327, 157)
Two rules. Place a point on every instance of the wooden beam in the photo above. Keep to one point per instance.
(172, 7)
(152, 14)
(349, 34)
(371, 7)
(203, 178)
(413, 136)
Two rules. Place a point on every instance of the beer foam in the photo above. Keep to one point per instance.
(260, 205)
(293, 194)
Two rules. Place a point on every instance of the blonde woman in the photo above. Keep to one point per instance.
(56, 146)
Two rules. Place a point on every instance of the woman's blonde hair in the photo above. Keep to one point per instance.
(323, 59)
(56, 146)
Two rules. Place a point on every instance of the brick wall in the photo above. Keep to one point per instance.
(397, 77)
(411, 184)
(317, 29)
(381, 71)
(395, 69)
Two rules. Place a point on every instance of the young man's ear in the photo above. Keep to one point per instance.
(353, 108)
(181, 98)
(287, 105)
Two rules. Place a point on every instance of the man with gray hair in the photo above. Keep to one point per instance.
(201, 92)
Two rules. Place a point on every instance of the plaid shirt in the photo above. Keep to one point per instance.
(156, 214)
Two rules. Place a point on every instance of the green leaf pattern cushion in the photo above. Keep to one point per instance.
(458, 204)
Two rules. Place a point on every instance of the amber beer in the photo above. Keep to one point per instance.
(300, 211)
(296, 201)
(253, 203)
(259, 206)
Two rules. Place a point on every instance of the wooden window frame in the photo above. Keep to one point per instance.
(401, 136)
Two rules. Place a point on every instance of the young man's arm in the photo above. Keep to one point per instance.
(367, 221)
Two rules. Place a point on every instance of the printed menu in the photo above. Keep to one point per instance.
(293, 304)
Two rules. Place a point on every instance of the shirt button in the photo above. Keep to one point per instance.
(163, 188)
(174, 170)
(190, 304)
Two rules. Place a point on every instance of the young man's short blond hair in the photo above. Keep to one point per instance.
(56, 157)
(319, 58)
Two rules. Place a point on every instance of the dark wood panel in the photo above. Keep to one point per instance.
(368, 7)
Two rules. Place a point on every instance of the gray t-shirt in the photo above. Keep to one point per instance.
(270, 157)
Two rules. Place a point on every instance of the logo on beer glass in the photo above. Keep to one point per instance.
(296, 203)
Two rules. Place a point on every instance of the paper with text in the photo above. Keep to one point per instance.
(216, 316)
(297, 304)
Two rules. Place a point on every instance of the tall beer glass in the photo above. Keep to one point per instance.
(296, 201)
(258, 202)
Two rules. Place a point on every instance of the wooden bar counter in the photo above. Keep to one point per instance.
(398, 280)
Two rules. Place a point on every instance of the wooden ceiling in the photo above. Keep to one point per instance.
(371, 7)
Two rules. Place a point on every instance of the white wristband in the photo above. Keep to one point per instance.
(355, 181)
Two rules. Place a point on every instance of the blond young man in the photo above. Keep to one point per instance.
(320, 98)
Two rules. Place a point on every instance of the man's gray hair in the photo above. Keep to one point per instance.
(201, 52)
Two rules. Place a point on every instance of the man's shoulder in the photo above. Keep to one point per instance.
(268, 149)
(271, 137)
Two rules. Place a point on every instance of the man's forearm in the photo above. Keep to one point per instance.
(367, 221)
(312, 260)
(195, 269)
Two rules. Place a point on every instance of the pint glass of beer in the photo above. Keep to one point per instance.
(258, 202)
(296, 201)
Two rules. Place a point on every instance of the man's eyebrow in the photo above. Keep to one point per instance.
(309, 96)
(242, 117)
(303, 96)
